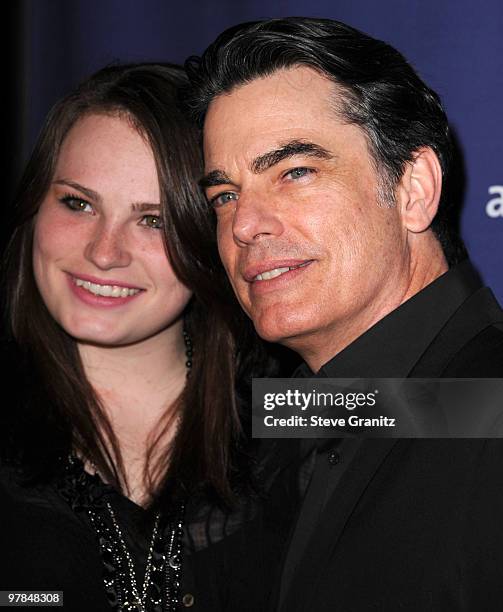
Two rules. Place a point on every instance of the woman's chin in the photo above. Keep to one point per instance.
(97, 335)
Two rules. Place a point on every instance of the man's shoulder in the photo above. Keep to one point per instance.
(480, 357)
(479, 329)
(470, 345)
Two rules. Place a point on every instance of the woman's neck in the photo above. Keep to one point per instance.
(136, 385)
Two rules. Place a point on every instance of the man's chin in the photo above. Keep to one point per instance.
(269, 335)
(279, 329)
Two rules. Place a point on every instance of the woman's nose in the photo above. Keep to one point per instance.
(108, 248)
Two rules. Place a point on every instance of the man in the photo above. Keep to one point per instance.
(326, 164)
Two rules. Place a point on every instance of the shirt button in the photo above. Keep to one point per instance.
(188, 600)
(334, 457)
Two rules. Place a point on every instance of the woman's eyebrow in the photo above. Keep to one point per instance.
(94, 195)
(144, 206)
(90, 193)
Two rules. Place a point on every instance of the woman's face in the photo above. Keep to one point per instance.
(98, 254)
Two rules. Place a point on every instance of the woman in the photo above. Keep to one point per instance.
(121, 346)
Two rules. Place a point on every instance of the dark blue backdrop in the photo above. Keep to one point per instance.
(456, 46)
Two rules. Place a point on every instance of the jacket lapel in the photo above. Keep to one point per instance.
(479, 312)
(338, 510)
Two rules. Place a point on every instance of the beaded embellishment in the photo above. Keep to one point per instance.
(160, 591)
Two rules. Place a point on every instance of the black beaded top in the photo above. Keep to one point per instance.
(90, 498)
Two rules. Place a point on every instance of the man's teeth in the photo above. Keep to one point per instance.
(271, 274)
(106, 290)
(277, 272)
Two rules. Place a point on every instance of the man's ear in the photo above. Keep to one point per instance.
(418, 192)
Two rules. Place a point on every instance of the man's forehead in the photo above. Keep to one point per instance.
(283, 91)
(289, 105)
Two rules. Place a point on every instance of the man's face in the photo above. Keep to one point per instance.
(311, 254)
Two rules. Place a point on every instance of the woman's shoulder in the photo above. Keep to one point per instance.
(11, 411)
(14, 365)
(26, 430)
(15, 381)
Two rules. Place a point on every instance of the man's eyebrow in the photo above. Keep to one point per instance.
(289, 149)
(214, 178)
(90, 193)
(267, 160)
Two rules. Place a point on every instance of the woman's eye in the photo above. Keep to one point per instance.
(76, 204)
(152, 221)
(298, 173)
(224, 198)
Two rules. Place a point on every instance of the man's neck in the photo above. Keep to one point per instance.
(322, 345)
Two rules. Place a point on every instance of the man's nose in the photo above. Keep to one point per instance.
(108, 247)
(254, 218)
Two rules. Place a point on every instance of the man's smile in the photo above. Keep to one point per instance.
(270, 270)
(270, 274)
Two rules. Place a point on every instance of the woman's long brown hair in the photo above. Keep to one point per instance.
(69, 415)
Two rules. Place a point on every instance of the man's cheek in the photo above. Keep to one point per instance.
(226, 246)
(224, 236)
(241, 290)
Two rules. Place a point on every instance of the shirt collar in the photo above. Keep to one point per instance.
(391, 347)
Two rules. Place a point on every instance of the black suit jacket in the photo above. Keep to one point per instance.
(417, 525)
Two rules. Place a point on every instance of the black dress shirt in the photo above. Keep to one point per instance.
(389, 349)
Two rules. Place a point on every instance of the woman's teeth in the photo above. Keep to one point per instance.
(106, 290)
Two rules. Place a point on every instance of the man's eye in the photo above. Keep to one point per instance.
(223, 198)
(298, 173)
(152, 221)
(75, 203)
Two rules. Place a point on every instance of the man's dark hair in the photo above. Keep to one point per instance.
(378, 91)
